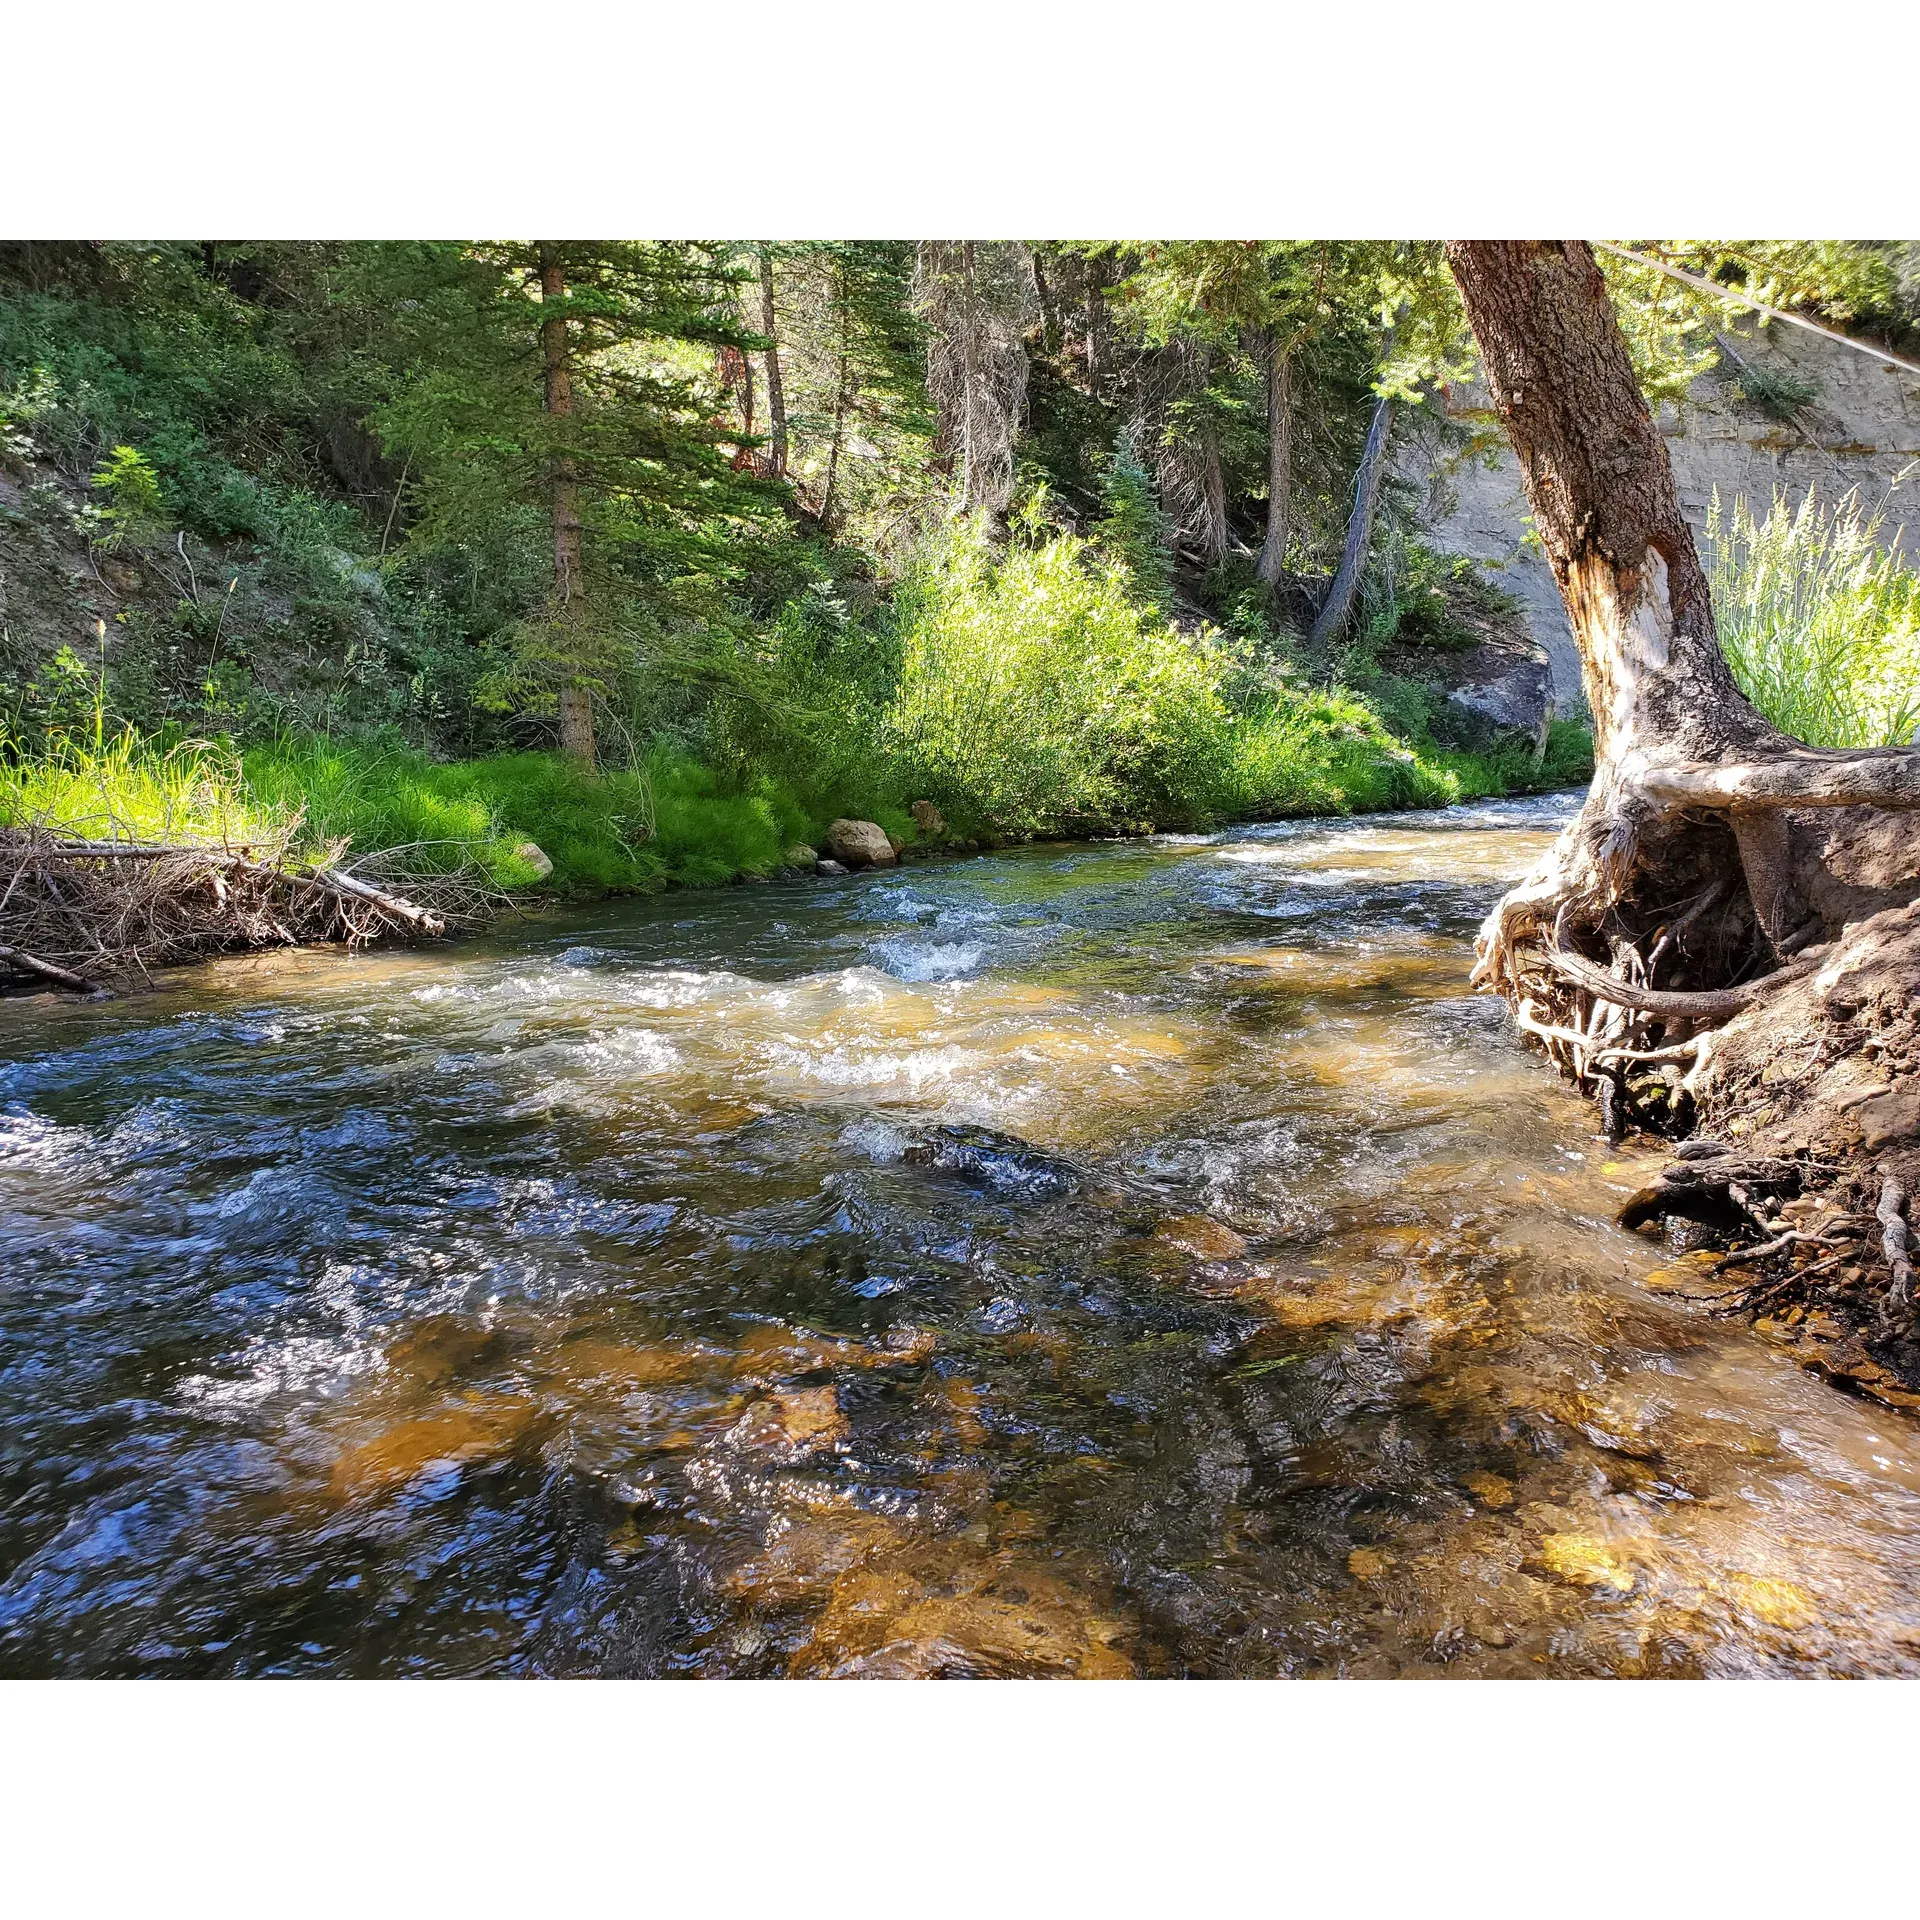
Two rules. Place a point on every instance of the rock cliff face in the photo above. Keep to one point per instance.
(1861, 427)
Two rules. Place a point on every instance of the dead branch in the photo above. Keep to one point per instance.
(34, 964)
(88, 909)
(1894, 1243)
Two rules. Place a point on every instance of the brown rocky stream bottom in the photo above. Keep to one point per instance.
(1095, 1261)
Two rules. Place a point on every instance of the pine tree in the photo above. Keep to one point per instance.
(561, 383)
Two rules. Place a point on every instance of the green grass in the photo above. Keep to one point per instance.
(1036, 694)
(1819, 620)
(124, 787)
(471, 813)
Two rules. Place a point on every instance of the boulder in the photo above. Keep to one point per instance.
(800, 858)
(532, 855)
(1503, 689)
(860, 843)
(928, 819)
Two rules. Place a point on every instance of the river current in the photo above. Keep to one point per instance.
(1139, 1258)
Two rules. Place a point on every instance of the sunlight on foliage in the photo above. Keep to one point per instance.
(1819, 620)
(126, 788)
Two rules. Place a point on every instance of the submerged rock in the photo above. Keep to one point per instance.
(464, 1432)
(994, 1159)
(1200, 1236)
(792, 1425)
(860, 843)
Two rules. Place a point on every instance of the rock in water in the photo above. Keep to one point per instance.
(860, 843)
(828, 869)
(929, 819)
(532, 855)
(995, 1160)
(1502, 687)
(794, 1424)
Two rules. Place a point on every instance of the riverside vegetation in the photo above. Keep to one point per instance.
(1093, 1259)
(650, 560)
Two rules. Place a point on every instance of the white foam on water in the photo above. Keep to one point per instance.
(858, 1067)
(920, 961)
(880, 1140)
(676, 987)
(632, 1050)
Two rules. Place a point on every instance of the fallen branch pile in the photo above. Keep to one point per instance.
(80, 913)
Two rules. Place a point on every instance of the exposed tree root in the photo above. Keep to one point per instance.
(80, 913)
(1794, 1094)
(1722, 945)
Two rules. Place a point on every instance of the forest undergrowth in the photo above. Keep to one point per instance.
(295, 545)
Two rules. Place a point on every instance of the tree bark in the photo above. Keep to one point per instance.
(569, 580)
(1604, 503)
(776, 388)
(1272, 565)
(1213, 480)
(1728, 900)
(1337, 608)
(842, 394)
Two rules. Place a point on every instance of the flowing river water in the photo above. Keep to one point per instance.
(1117, 1259)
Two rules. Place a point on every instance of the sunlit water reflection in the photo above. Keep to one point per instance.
(605, 1298)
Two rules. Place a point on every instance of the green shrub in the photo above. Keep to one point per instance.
(132, 490)
(1819, 621)
(1777, 392)
(1036, 693)
(1427, 599)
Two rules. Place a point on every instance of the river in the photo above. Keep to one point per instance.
(1138, 1258)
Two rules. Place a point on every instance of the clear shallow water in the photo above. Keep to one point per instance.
(604, 1298)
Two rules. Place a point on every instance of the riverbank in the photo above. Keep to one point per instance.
(174, 850)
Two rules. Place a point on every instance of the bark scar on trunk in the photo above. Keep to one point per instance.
(1710, 846)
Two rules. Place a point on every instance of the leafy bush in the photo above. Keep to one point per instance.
(1037, 695)
(1035, 691)
(1820, 621)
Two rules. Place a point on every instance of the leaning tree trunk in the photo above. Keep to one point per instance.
(1728, 936)
(776, 387)
(569, 577)
(1337, 609)
(1272, 565)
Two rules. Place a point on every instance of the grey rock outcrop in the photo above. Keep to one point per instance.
(1861, 428)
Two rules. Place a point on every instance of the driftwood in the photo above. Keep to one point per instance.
(80, 912)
